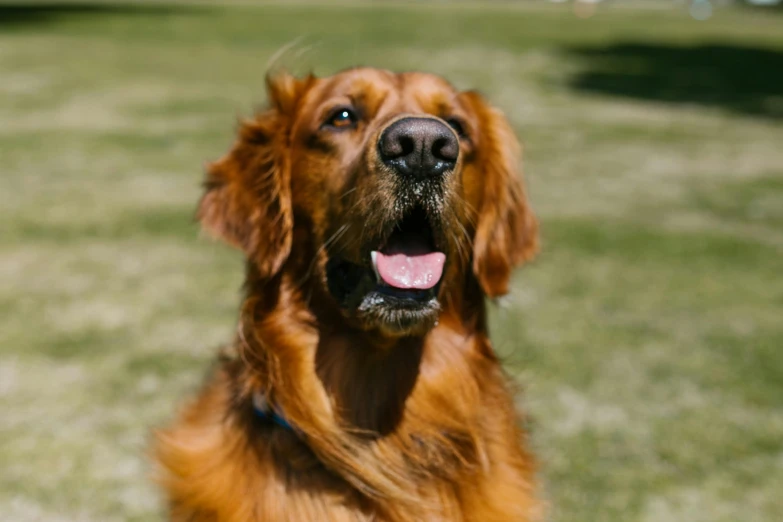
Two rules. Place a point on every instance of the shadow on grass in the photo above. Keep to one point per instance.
(30, 14)
(769, 6)
(741, 79)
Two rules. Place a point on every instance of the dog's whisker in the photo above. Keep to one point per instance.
(361, 201)
(334, 237)
(347, 192)
(465, 246)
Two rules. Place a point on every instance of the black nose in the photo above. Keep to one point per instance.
(419, 147)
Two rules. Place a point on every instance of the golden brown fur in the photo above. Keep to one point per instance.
(395, 421)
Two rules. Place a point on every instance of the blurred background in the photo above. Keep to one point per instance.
(646, 338)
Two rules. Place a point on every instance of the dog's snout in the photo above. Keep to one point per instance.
(419, 147)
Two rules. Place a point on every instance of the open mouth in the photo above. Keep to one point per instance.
(398, 285)
(409, 262)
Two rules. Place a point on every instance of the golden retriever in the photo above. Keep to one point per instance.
(376, 211)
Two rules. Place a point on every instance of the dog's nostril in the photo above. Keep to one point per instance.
(395, 143)
(407, 145)
(446, 149)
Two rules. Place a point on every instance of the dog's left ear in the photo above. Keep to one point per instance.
(506, 229)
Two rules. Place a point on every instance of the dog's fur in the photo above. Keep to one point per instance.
(393, 419)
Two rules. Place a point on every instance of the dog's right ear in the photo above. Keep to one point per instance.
(247, 198)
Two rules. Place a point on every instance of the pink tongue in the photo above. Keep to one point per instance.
(419, 271)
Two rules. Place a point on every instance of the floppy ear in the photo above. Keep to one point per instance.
(506, 229)
(247, 198)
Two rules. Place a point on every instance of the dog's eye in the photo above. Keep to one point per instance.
(458, 127)
(341, 118)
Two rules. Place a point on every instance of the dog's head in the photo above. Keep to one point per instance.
(388, 191)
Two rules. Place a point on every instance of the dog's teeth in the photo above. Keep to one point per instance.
(374, 257)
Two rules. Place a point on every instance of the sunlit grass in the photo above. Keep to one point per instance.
(646, 336)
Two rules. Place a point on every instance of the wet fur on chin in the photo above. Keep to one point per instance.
(389, 427)
(401, 321)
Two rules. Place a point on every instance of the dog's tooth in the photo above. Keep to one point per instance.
(374, 257)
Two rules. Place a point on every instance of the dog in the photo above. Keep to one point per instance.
(377, 211)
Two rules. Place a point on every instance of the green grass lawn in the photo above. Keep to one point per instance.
(647, 337)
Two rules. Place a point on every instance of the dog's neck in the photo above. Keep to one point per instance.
(368, 386)
(351, 393)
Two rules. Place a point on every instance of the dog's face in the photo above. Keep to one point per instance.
(389, 190)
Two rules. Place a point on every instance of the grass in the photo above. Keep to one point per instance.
(647, 336)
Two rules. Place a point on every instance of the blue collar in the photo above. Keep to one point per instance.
(265, 411)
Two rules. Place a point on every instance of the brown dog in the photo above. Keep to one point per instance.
(376, 211)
